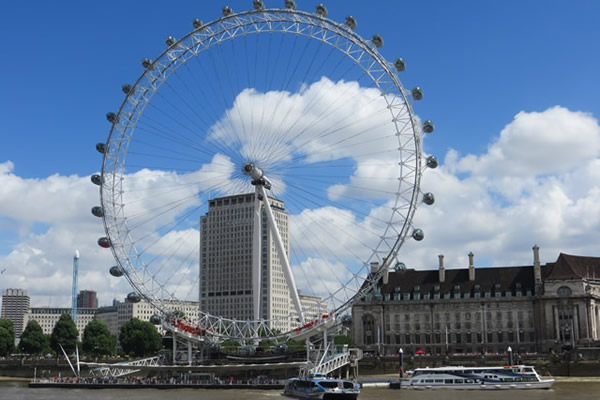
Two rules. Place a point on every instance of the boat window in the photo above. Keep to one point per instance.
(304, 384)
(448, 381)
(348, 385)
(469, 380)
(329, 384)
(439, 381)
(428, 380)
(459, 381)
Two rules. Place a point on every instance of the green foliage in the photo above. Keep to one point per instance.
(64, 333)
(33, 340)
(7, 337)
(140, 338)
(230, 345)
(342, 339)
(97, 339)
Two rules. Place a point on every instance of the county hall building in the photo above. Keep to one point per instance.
(532, 308)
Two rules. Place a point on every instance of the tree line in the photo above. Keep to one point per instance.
(137, 338)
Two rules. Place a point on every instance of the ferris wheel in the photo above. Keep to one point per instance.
(265, 166)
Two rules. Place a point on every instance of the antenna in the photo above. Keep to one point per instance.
(74, 292)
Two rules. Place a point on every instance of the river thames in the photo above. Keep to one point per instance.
(560, 390)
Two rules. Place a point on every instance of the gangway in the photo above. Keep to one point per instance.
(122, 368)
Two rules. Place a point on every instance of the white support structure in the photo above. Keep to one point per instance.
(256, 255)
(283, 256)
(122, 369)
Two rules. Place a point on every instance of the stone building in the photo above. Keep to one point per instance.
(47, 317)
(531, 308)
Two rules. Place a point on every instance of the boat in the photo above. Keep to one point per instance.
(319, 386)
(508, 377)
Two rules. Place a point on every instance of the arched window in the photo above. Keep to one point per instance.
(564, 291)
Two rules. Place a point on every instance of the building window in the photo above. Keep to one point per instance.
(563, 291)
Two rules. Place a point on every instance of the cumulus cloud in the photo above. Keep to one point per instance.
(538, 183)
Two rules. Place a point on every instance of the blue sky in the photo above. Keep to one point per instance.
(480, 64)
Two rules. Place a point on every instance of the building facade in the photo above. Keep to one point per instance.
(47, 317)
(15, 305)
(226, 261)
(119, 314)
(87, 299)
(531, 308)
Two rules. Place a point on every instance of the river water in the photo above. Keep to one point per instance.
(561, 390)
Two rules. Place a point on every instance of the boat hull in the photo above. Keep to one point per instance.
(545, 384)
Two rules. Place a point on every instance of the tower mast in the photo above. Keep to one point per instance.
(74, 292)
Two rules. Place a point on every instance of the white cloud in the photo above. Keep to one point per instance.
(539, 183)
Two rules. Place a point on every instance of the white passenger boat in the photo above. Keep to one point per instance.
(509, 377)
(321, 387)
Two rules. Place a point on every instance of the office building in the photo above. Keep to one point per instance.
(87, 299)
(47, 317)
(15, 305)
(226, 261)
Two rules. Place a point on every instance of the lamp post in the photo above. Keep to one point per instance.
(401, 362)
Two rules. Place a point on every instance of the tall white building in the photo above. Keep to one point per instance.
(226, 261)
(15, 304)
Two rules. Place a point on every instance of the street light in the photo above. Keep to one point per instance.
(401, 362)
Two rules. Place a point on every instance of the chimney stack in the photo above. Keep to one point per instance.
(374, 267)
(442, 269)
(471, 267)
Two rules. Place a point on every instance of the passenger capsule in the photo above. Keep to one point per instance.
(133, 297)
(247, 350)
(290, 5)
(170, 41)
(428, 126)
(97, 211)
(428, 198)
(399, 64)
(417, 93)
(281, 348)
(227, 11)
(321, 10)
(155, 319)
(101, 148)
(259, 5)
(197, 23)
(146, 63)
(377, 40)
(432, 162)
(104, 242)
(126, 88)
(347, 320)
(96, 179)
(418, 235)
(116, 271)
(351, 22)
(112, 118)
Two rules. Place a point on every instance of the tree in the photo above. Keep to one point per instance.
(33, 340)
(64, 333)
(7, 337)
(342, 339)
(97, 339)
(139, 338)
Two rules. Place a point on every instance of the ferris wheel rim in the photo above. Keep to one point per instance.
(111, 227)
